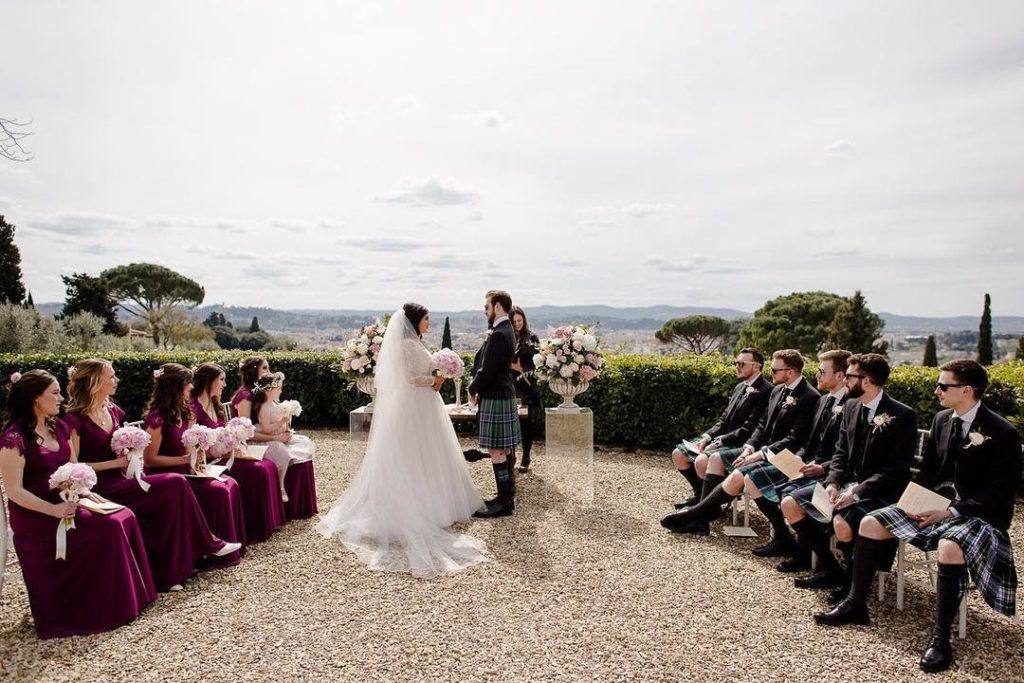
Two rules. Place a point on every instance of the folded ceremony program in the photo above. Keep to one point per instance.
(820, 501)
(253, 452)
(690, 446)
(916, 500)
(787, 463)
(104, 508)
(212, 472)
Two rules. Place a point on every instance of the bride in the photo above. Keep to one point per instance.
(413, 482)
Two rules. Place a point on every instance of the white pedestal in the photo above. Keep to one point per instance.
(569, 437)
(359, 425)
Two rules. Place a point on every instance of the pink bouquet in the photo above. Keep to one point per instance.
(199, 437)
(242, 428)
(73, 480)
(448, 363)
(226, 443)
(131, 441)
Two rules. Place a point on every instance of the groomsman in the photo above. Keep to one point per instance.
(785, 425)
(973, 456)
(746, 406)
(869, 470)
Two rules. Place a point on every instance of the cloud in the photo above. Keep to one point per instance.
(646, 210)
(78, 224)
(838, 252)
(840, 147)
(568, 263)
(490, 118)
(696, 263)
(274, 274)
(291, 227)
(384, 244)
(669, 266)
(451, 263)
(225, 226)
(475, 217)
(430, 191)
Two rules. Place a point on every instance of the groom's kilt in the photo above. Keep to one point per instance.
(986, 549)
(498, 419)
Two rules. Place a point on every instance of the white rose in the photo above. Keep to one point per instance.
(577, 336)
(566, 371)
(577, 345)
(575, 367)
(552, 361)
(378, 339)
(351, 345)
(578, 358)
(362, 348)
(364, 339)
(538, 360)
(589, 342)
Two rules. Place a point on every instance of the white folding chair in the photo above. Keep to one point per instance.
(736, 530)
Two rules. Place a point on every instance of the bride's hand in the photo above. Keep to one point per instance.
(438, 381)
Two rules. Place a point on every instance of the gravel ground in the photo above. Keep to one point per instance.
(575, 591)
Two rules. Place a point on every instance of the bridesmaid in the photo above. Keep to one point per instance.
(104, 581)
(173, 526)
(262, 490)
(300, 479)
(168, 416)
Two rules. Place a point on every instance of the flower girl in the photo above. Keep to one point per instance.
(273, 417)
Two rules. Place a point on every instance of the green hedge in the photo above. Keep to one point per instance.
(641, 401)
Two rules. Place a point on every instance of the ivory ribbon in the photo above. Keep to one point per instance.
(135, 470)
(63, 526)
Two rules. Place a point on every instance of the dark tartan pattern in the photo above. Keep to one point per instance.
(851, 514)
(770, 481)
(727, 455)
(498, 420)
(986, 549)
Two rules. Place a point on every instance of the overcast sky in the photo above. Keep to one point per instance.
(337, 154)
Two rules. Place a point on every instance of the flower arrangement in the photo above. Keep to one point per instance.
(72, 480)
(131, 441)
(448, 364)
(571, 354)
(290, 409)
(360, 353)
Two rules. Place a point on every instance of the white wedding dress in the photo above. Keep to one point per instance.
(413, 482)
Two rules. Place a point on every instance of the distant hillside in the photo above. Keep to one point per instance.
(608, 317)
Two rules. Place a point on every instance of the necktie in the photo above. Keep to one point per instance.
(830, 403)
(956, 434)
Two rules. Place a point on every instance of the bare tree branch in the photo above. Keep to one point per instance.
(11, 134)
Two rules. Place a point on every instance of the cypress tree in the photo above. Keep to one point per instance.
(255, 325)
(11, 288)
(931, 356)
(29, 303)
(446, 337)
(1020, 349)
(985, 333)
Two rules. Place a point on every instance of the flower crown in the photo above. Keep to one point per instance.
(277, 382)
(158, 373)
(15, 377)
(71, 372)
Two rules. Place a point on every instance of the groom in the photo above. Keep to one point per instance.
(498, 415)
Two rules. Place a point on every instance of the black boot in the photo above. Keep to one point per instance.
(474, 455)
(527, 432)
(690, 475)
(868, 556)
(504, 504)
(697, 519)
(781, 542)
(829, 573)
(938, 656)
(510, 458)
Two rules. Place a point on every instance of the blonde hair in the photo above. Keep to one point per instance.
(84, 378)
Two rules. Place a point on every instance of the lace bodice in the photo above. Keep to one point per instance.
(418, 364)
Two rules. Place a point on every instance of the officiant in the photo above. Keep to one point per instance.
(527, 344)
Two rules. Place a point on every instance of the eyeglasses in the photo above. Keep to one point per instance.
(943, 387)
(775, 370)
(855, 376)
(821, 371)
(741, 363)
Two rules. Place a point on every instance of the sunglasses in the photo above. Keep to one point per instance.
(943, 387)
(775, 370)
(741, 363)
(855, 376)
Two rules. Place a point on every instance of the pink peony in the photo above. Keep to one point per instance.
(73, 475)
(449, 363)
(587, 373)
(199, 437)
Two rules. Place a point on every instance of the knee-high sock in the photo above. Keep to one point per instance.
(711, 502)
(947, 596)
(868, 557)
(710, 482)
(812, 535)
(690, 475)
(774, 514)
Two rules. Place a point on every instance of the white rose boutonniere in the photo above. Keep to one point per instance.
(750, 390)
(881, 421)
(976, 439)
(790, 401)
(837, 410)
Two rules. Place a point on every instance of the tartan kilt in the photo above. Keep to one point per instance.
(770, 480)
(986, 549)
(498, 421)
(851, 514)
(727, 455)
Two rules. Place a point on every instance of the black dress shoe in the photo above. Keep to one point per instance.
(938, 657)
(686, 526)
(777, 547)
(844, 613)
(688, 503)
(792, 565)
(500, 509)
(474, 455)
(819, 580)
(837, 594)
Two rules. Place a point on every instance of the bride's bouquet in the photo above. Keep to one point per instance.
(359, 357)
(73, 481)
(448, 364)
(571, 354)
(131, 441)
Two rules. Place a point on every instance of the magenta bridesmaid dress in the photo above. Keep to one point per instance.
(220, 500)
(105, 580)
(173, 526)
(257, 479)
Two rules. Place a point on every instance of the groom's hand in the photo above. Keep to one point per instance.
(438, 381)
